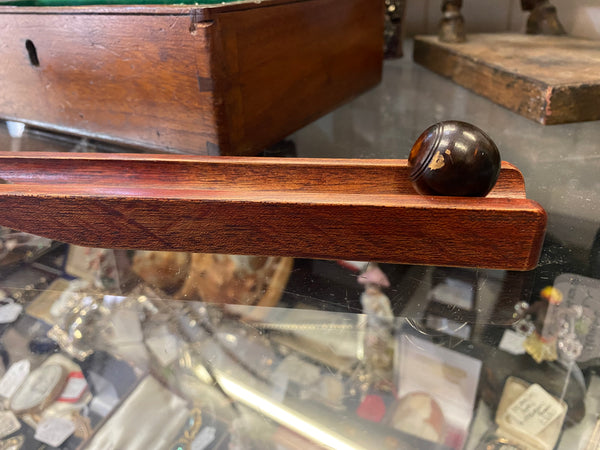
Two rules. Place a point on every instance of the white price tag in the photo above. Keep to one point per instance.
(534, 410)
(14, 377)
(54, 431)
(512, 342)
(204, 438)
(76, 386)
(10, 312)
(8, 423)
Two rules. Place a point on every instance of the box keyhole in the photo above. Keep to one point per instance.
(32, 52)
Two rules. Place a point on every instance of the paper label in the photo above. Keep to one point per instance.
(512, 342)
(76, 386)
(10, 312)
(8, 423)
(204, 438)
(54, 431)
(14, 377)
(450, 377)
(534, 410)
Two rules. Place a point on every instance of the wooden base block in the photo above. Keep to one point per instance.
(549, 79)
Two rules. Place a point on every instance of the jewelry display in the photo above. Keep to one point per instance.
(402, 383)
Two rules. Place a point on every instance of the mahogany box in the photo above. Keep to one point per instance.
(222, 78)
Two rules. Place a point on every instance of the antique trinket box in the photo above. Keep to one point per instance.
(211, 78)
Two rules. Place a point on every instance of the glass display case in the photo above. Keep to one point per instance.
(131, 349)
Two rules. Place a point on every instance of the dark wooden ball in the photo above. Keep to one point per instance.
(454, 158)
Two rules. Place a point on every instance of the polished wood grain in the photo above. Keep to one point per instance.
(283, 67)
(218, 79)
(317, 208)
(95, 78)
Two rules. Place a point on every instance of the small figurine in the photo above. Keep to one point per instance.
(394, 13)
(543, 18)
(541, 342)
(551, 327)
(452, 25)
(373, 275)
(379, 343)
